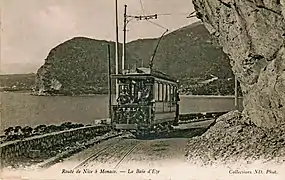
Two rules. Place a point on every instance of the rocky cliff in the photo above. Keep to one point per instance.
(252, 34)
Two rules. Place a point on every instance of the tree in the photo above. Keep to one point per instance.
(52, 128)
(40, 129)
(18, 130)
(66, 125)
(27, 131)
(9, 131)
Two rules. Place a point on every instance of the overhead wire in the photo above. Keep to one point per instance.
(148, 20)
(173, 14)
(158, 25)
(142, 7)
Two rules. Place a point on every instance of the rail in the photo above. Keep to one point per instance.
(196, 117)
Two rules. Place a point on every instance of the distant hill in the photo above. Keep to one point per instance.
(190, 55)
(17, 82)
(79, 65)
(188, 52)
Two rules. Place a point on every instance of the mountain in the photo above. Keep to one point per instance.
(79, 65)
(188, 52)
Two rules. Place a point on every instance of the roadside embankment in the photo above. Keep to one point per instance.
(38, 148)
(231, 139)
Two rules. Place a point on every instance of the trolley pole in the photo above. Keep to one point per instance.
(117, 47)
(124, 42)
(109, 81)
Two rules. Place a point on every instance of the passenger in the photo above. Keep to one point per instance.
(147, 98)
(124, 98)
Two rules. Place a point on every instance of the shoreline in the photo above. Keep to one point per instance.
(211, 96)
(102, 94)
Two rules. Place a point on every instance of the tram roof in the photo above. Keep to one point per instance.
(144, 73)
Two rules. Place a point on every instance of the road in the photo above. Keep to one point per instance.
(126, 150)
(126, 155)
(129, 158)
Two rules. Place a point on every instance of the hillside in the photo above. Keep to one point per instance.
(17, 82)
(79, 65)
(185, 53)
(190, 55)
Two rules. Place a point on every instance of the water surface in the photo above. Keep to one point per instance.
(24, 109)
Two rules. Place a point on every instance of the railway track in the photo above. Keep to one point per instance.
(197, 117)
(120, 149)
(115, 153)
(92, 157)
(126, 154)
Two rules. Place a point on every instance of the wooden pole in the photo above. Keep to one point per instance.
(109, 81)
(124, 42)
(236, 93)
(117, 47)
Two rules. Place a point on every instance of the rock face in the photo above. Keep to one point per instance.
(252, 33)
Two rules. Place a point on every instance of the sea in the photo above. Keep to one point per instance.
(24, 109)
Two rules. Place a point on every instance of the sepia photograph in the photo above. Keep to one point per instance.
(142, 89)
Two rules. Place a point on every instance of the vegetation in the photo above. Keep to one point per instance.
(17, 82)
(18, 132)
(218, 87)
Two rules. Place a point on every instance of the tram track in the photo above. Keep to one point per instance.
(115, 152)
(93, 156)
(119, 150)
(126, 154)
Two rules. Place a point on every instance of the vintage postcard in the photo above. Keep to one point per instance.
(142, 89)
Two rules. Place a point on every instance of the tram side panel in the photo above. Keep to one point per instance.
(165, 93)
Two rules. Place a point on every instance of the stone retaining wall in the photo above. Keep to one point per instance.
(27, 147)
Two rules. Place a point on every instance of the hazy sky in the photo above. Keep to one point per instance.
(31, 28)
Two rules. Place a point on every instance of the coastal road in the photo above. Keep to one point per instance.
(125, 157)
(124, 151)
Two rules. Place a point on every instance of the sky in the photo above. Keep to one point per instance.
(31, 28)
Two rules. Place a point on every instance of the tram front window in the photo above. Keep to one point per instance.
(124, 96)
(138, 92)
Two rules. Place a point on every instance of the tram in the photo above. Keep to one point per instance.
(147, 102)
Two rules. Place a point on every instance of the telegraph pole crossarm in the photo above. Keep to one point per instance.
(145, 17)
(126, 21)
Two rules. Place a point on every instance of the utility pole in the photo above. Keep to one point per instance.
(117, 47)
(124, 42)
(236, 93)
(109, 81)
